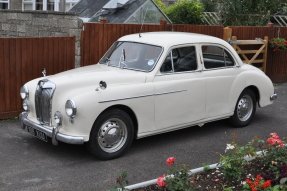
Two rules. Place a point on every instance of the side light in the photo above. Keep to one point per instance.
(26, 105)
(58, 118)
(24, 92)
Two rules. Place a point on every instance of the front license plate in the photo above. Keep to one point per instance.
(38, 134)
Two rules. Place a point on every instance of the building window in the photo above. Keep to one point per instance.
(46, 5)
(4, 4)
(70, 4)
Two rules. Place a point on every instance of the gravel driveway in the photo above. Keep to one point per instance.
(27, 163)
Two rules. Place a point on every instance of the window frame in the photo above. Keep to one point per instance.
(226, 50)
(6, 2)
(198, 58)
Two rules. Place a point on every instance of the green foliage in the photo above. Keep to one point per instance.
(209, 5)
(9, 119)
(185, 12)
(275, 151)
(278, 44)
(181, 179)
(121, 181)
(160, 4)
(206, 166)
(232, 162)
(248, 13)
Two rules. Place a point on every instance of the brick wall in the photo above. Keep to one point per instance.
(17, 23)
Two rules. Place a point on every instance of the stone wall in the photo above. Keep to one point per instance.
(17, 23)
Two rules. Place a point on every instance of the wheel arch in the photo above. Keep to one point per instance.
(126, 109)
(255, 90)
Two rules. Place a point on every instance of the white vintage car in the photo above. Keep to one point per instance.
(145, 84)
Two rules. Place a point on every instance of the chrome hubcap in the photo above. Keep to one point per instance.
(244, 108)
(112, 135)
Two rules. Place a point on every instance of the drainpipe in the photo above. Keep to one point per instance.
(62, 6)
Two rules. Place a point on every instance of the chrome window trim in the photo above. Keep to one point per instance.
(183, 72)
(221, 68)
(156, 62)
(119, 99)
(236, 65)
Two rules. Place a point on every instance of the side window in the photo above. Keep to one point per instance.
(180, 60)
(216, 57)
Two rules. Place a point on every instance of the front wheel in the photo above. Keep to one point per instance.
(244, 110)
(111, 135)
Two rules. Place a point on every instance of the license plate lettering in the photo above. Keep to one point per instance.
(39, 134)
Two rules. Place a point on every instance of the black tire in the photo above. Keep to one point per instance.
(111, 135)
(244, 110)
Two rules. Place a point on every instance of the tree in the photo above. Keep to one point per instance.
(185, 12)
(248, 13)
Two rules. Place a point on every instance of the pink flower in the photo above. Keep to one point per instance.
(274, 135)
(160, 181)
(216, 180)
(170, 161)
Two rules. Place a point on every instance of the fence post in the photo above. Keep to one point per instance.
(163, 24)
(227, 33)
(265, 52)
(103, 21)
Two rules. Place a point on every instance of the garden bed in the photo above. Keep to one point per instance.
(212, 179)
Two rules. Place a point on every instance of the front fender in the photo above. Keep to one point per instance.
(90, 104)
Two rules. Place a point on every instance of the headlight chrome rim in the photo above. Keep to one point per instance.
(26, 105)
(24, 92)
(71, 108)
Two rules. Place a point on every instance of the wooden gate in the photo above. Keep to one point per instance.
(254, 59)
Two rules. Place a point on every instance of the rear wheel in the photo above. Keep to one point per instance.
(244, 110)
(111, 135)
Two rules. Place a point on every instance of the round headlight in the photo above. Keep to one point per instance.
(24, 92)
(58, 117)
(25, 105)
(70, 108)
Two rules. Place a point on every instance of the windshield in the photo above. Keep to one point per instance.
(131, 55)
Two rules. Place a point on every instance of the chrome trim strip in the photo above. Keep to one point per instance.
(60, 137)
(220, 68)
(141, 96)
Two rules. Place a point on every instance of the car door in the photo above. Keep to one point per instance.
(220, 71)
(180, 92)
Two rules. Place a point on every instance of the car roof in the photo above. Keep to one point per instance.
(171, 38)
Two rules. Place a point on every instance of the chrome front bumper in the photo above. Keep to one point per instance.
(54, 134)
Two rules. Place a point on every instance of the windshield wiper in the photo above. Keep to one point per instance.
(107, 61)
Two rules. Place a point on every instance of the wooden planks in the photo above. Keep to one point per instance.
(23, 59)
(98, 37)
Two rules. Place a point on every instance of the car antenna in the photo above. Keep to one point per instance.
(142, 23)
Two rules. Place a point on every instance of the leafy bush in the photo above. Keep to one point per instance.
(160, 4)
(248, 13)
(209, 5)
(232, 162)
(185, 12)
(179, 178)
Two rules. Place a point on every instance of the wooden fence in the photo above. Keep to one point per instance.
(23, 59)
(98, 37)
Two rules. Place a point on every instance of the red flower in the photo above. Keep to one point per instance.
(274, 135)
(170, 161)
(266, 184)
(160, 181)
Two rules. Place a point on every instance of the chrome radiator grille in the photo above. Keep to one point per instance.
(43, 101)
